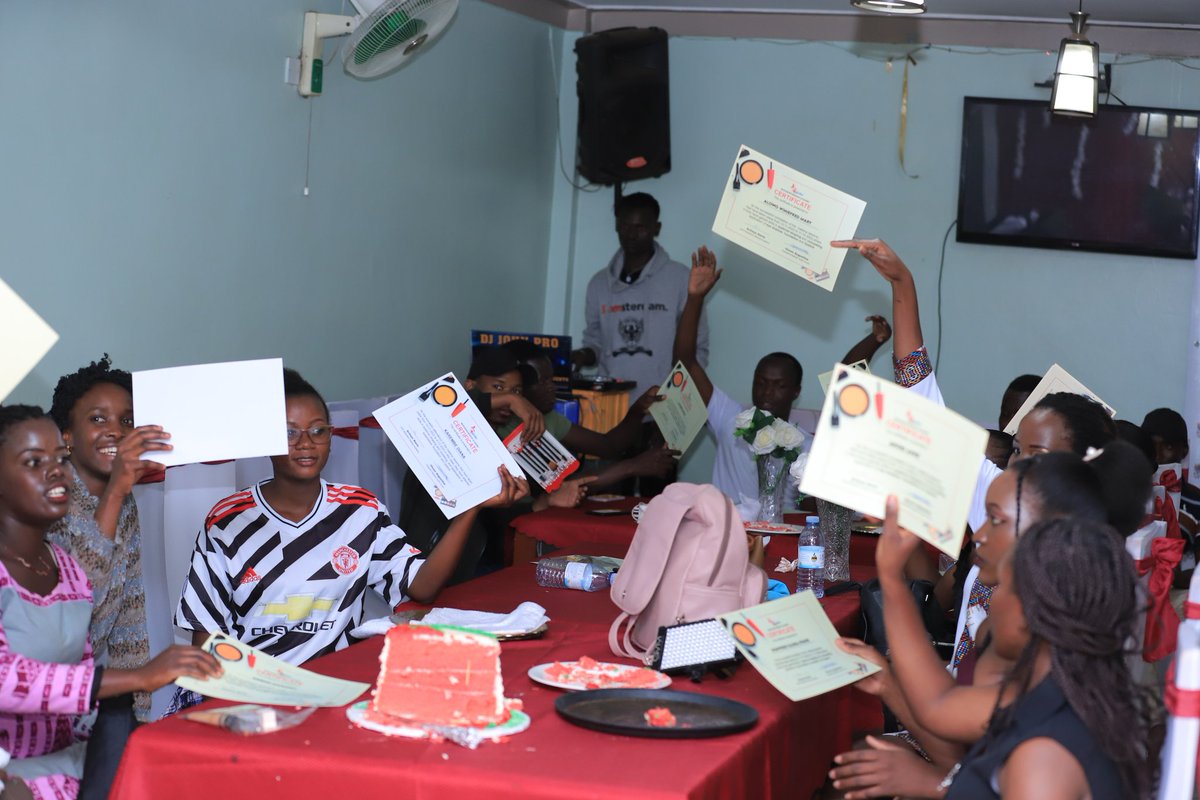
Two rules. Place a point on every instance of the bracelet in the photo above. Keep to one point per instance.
(912, 368)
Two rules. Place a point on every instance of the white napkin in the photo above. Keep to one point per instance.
(523, 619)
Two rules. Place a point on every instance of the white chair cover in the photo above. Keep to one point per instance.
(1178, 778)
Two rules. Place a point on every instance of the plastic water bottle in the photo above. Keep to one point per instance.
(810, 563)
(563, 573)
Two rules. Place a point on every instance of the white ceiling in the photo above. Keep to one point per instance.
(1166, 27)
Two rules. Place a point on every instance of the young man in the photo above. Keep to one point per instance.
(538, 379)
(634, 303)
(775, 388)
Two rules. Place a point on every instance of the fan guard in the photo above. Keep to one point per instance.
(395, 33)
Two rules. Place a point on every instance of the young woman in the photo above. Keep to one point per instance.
(93, 408)
(1070, 724)
(50, 682)
(943, 715)
(285, 565)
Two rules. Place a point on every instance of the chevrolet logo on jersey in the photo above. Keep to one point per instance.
(297, 607)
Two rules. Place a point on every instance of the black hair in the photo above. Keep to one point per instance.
(15, 414)
(1113, 487)
(295, 386)
(787, 358)
(1078, 592)
(1167, 424)
(1023, 383)
(1004, 442)
(1088, 424)
(74, 386)
(638, 201)
(491, 361)
(524, 351)
(1131, 432)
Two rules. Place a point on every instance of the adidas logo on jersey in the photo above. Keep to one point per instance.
(249, 576)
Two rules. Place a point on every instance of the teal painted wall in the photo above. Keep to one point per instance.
(152, 201)
(1119, 323)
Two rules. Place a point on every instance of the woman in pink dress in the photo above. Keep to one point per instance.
(49, 684)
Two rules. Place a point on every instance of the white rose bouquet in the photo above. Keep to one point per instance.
(768, 435)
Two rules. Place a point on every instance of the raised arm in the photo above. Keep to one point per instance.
(621, 439)
(906, 317)
(703, 278)
(865, 350)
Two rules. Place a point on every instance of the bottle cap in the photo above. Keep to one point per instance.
(812, 520)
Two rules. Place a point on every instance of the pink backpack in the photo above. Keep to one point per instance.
(688, 561)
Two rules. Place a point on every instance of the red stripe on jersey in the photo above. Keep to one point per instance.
(352, 495)
(230, 505)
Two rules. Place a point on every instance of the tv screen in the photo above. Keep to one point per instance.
(1123, 182)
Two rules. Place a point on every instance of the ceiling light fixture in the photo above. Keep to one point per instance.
(1077, 75)
(891, 6)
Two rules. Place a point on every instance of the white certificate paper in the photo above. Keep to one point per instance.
(1055, 380)
(876, 439)
(787, 217)
(26, 338)
(214, 412)
(790, 641)
(682, 413)
(252, 676)
(448, 444)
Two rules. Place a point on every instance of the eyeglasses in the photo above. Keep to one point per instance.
(318, 434)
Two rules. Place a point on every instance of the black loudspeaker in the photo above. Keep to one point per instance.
(624, 105)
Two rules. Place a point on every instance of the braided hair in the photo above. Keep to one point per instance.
(74, 386)
(1079, 594)
(15, 414)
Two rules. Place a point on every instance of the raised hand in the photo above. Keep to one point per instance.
(881, 256)
(895, 545)
(535, 422)
(880, 328)
(875, 684)
(642, 406)
(704, 274)
(511, 490)
(128, 466)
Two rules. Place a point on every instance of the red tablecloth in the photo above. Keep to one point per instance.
(785, 755)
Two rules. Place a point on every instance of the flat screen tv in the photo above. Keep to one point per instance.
(1125, 181)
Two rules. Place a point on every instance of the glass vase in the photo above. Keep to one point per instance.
(772, 480)
(835, 534)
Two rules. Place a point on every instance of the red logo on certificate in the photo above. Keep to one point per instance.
(345, 560)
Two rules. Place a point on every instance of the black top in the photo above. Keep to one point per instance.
(1043, 713)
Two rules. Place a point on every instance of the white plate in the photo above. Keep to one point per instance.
(605, 498)
(516, 722)
(612, 672)
(772, 528)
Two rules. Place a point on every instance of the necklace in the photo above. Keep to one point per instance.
(41, 559)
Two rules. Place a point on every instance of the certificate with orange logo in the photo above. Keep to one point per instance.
(791, 642)
(252, 676)
(682, 414)
(787, 217)
(876, 438)
(447, 444)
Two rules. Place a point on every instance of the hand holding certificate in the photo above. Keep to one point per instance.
(681, 413)
(787, 217)
(876, 439)
(447, 444)
(791, 642)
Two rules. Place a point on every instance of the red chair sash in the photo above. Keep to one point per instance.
(1191, 610)
(1164, 509)
(1162, 623)
(345, 432)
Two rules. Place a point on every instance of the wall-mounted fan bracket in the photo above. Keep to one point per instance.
(317, 28)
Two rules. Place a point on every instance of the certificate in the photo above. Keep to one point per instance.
(447, 444)
(682, 414)
(787, 217)
(825, 377)
(214, 412)
(252, 676)
(1055, 380)
(790, 641)
(26, 338)
(876, 438)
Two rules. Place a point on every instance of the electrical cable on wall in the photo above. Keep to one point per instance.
(937, 359)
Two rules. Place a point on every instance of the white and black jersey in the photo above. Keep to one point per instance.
(295, 589)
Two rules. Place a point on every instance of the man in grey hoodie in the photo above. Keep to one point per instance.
(634, 303)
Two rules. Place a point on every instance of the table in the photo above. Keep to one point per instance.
(566, 527)
(785, 755)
